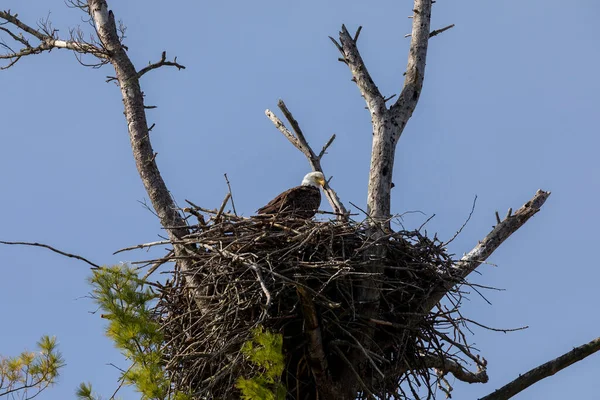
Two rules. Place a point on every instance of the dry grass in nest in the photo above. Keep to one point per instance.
(273, 273)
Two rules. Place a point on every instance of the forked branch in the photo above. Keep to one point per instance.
(388, 124)
(299, 141)
(46, 38)
(360, 74)
(162, 63)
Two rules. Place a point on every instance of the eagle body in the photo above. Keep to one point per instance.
(299, 202)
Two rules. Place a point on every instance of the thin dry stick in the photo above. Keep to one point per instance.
(463, 225)
(438, 31)
(158, 263)
(54, 250)
(488, 245)
(230, 192)
(143, 245)
(223, 204)
(248, 263)
(162, 63)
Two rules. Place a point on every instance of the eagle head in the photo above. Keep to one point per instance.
(315, 179)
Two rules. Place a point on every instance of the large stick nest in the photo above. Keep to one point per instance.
(290, 275)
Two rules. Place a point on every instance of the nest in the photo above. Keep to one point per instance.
(293, 276)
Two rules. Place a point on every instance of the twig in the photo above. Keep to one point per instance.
(223, 204)
(438, 31)
(231, 193)
(141, 246)
(162, 63)
(305, 148)
(96, 266)
(121, 379)
(158, 263)
(246, 262)
(463, 225)
(357, 34)
(47, 39)
(464, 350)
(470, 261)
(326, 146)
(521, 328)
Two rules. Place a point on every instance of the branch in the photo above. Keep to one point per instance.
(415, 70)
(299, 141)
(325, 147)
(360, 74)
(470, 261)
(143, 154)
(162, 63)
(438, 31)
(388, 124)
(545, 370)
(47, 38)
(444, 366)
(143, 245)
(54, 250)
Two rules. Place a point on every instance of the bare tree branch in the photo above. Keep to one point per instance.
(143, 154)
(162, 63)
(360, 74)
(470, 261)
(545, 370)
(299, 141)
(388, 124)
(444, 366)
(415, 70)
(47, 38)
(326, 146)
(54, 250)
(438, 31)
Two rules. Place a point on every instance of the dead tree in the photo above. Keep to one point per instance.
(355, 367)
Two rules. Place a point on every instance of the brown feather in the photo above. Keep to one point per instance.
(298, 202)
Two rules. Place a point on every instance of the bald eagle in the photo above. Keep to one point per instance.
(300, 201)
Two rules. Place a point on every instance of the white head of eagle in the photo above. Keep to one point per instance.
(299, 202)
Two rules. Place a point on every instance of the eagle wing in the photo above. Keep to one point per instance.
(300, 202)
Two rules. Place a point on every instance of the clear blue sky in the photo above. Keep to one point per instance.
(510, 105)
